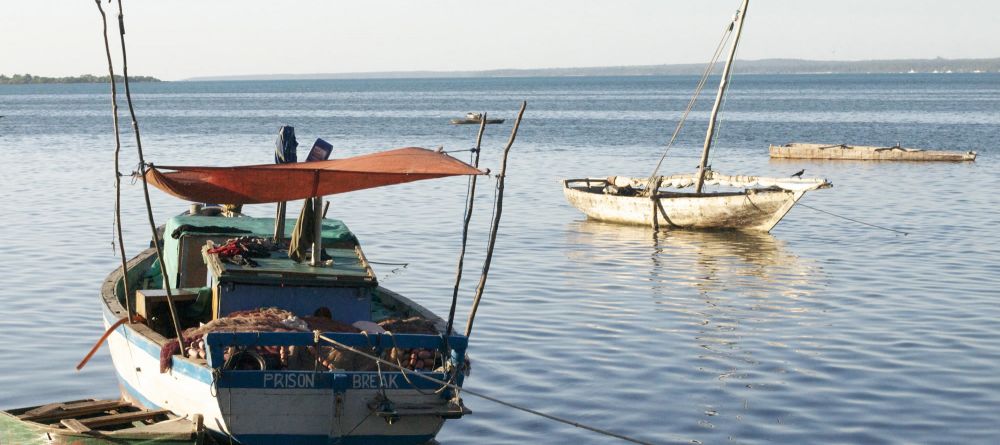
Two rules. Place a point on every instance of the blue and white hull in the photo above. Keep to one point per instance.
(279, 406)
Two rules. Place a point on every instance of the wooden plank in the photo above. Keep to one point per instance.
(75, 426)
(77, 409)
(44, 409)
(117, 419)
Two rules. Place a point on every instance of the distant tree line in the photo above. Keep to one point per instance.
(20, 79)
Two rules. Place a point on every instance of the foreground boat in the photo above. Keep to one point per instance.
(865, 153)
(757, 208)
(753, 203)
(266, 353)
(97, 422)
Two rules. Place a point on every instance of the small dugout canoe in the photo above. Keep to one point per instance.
(474, 118)
(866, 153)
(97, 422)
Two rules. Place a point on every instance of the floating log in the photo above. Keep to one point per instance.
(866, 153)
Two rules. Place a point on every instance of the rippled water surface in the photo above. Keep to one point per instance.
(825, 331)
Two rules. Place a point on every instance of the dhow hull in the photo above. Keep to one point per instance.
(755, 210)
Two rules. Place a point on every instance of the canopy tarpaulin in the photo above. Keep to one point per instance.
(256, 184)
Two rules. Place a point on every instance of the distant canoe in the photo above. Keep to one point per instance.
(474, 118)
(865, 153)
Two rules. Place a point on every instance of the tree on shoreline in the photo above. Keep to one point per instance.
(21, 79)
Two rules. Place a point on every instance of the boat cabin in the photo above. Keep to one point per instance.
(208, 286)
(346, 283)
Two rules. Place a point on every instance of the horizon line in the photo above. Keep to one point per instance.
(527, 72)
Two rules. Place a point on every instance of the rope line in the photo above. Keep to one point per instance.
(473, 150)
(484, 396)
(694, 98)
(853, 220)
(451, 376)
(389, 263)
(725, 99)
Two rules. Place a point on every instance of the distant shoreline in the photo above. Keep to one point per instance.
(766, 66)
(28, 79)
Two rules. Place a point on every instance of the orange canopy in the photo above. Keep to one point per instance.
(255, 184)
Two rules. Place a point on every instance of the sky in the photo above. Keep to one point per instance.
(180, 39)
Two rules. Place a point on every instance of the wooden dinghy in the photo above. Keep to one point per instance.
(866, 153)
(97, 422)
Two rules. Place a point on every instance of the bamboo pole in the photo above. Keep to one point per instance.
(118, 176)
(465, 227)
(145, 183)
(740, 15)
(496, 222)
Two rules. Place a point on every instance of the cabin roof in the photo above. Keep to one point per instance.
(349, 268)
(334, 230)
(183, 252)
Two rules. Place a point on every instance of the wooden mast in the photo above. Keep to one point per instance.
(740, 15)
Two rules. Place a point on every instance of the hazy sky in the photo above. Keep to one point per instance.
(185, 38)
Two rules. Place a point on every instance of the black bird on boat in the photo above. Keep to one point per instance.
(799, 173)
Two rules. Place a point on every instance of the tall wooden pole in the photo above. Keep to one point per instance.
(465, 227)
(496, 223)
(740, 15)
(145, 184)
(118, 176)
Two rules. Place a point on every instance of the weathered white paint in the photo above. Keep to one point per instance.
(755, 210)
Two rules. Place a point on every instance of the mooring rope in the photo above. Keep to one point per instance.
(390, 263)
(853, 220)
(484, 396)
(451, 376)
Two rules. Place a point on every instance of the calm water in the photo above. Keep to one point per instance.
(825, 331)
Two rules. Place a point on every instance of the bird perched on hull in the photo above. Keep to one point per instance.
(798, 174)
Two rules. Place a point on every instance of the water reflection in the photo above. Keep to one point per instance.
(706, 261)
(728, 292)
